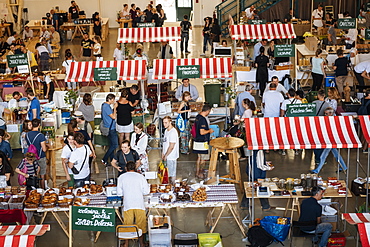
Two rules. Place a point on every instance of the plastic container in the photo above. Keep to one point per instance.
(186, 240)
(216, 130)
(66, 114)
(16, 205)
(212, 93)
(209, 240)
(159, 237)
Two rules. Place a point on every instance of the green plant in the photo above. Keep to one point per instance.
(231, 94)
(70, 98)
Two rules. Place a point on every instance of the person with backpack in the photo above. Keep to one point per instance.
(5, 146)
(124, 155)
(36, 142)
(185, 27)
(28, 167)
(66, 155)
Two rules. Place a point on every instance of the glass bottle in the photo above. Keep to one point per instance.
(303, 181)
(309, 181)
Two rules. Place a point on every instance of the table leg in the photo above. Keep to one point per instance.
(61, 223)
(237, 169)
(217, 219)
(213, 164)
(233, 211)
(43, 218)
(53, 168)
(209, 221)
(97, 236)
(287, 206)
(119, 215)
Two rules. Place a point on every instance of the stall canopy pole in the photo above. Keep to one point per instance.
(347, 173)
(311, 15)
(367, 176)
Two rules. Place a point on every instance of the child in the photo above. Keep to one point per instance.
(32, 166)
(27, 126)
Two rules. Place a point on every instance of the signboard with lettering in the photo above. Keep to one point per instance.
(347, 23)
(367, 33)
(284, 50)
(105, 74)
(16, 60)
(93, 219)
(301, 110)
(146, 24)
(188, 71)
(256, 21)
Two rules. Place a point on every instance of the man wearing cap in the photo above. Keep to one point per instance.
(187, 87)
(247, 94)
(82, 123)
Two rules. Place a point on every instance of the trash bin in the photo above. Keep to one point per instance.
(212, 93)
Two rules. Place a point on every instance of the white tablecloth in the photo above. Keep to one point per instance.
(58, 98)
(251, 75)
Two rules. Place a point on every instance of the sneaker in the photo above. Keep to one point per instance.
(203, 54)
(187, 52)
(268, 209)
(314, 171)
(283, 152)
(364, 151)
(242, 158)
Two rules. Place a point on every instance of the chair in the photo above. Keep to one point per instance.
(127, 232)
(296, 231)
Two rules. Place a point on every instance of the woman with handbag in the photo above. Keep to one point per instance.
(184, 111)
(27, 168)
(5, 168)
(139, 143)
(124, 155)
(207, 34)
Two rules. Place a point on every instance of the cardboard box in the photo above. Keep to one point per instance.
(311, 43)
(337, 240)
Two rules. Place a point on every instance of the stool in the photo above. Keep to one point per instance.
(230, 146)
(295, 207)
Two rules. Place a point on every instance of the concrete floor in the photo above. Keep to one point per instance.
(192, 220)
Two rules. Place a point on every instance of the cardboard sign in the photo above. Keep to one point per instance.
(367, 33)
(105, 74)
(347, 23)
(93, 219)
(146, 24)
(188, 71)
(301, 110)
(284, 50)
(256, 22)
(16, 60)
(23, 69)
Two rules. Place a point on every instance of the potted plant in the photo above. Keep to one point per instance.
(70, 98)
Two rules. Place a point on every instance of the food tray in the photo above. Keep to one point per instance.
(31, 205)
(16, 205)
(65, 204)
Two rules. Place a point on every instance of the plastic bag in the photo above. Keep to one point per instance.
(279, 232)
(163, 173)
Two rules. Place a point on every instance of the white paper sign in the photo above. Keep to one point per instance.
(150, 175)
(23, 69)
(12, 128)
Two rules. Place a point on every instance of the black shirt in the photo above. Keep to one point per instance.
(73, 11)
(122, 159)
(86, 47)
(185, 26)
(149, 15)
(288, 17)
(201, 123)
(132, 98)
(341, 63)
(262, 61)
(124, 114)
(310, 211)
(156, 19)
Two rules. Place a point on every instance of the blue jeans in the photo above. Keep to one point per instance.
(184, 39)
(325, 154)
(325, 229)
(206, 39)
(317, 153)
(113, 144)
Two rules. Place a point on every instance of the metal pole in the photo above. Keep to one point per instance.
(367, 176)
(311, 15)
(251, 165)
(347, 173)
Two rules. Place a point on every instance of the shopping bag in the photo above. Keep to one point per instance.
(163, 173)
(278, 231)
(180, 123)
(21, 178)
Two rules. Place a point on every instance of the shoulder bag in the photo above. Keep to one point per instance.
(74, 169)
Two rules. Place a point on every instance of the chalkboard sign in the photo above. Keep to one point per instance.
(94, 219)
(146, 24)
(105, 74)
(284, 50)
(301, 110)
(347, 23)
(256, 21)
(188, 71)
(16, 60)
(367, 33)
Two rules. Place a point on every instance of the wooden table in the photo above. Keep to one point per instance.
(230, 146)
(37, 25)
(79, 28)
(5, 27)
(50, 156)
(122, 22)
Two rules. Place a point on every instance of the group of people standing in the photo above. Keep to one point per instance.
(150, 14)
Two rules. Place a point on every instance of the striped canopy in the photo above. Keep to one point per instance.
(262, 31)
(149, 34)
(362, 220)
(126, 70)
(364, 230)
(365, 127)
(36, 230)
(17, 241)
(209, 67)
(301, 133)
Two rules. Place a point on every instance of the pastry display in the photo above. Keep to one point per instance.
(50, 199)
(153, 188)
(65, 191)
(200, 195)
(33, 200)
(65, 201)
(82, 191)
(81, 202)
(96, 189)
(182, 197)
(164, 188)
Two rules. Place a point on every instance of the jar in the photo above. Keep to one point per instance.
(303, 181)
(289, 185)
(309, 181)
(282, 184)
(296, 182)
(314, 180)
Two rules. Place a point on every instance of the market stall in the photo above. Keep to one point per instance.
(148, 34)
(362, 221)
(301, 133)
(365, 130)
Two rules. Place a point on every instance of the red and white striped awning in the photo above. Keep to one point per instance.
(36, 230)
(364, 230)
(365, 127)
(126, 70)
(262, 31)
(301, 133)
(17, 241)
(209, 67)
(149, 34)
(356, 218)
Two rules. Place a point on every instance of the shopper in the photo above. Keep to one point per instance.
(133, 187)
(215, 32)
(48, 85)
(187, 87)
(66, 65)
(125, 15)
(34, 108)
(207, 35)
(340, 67)
(88, 110)
(26, 127)
(291, 100)
(87, 46)
(185, 111)
(165, 51)
(2, 110)
(161, 15)
(118, 53)
(123, 109)
(139, 143)
(79, 160)
(66, 155)
(155, 18)
(202, 138)
(109, 121)
(97, 47)
(170, 151)
(262, 63)
(123, 156)
(318, 71)
(33, 168)
(83, 124)
(73, 126)
(97, 24)
(279, 87)
(42, 55)
(185, 27)
(247, 94)
(271, 102)
(27, 33)
(311, 211)
(5, 145)
(54, 37)
(317, 16)
(249, 107)
(362, 70)
(333, 98)
(5, 168)
(73, 11)
(321, 104)
(257, 48)
(330, 23)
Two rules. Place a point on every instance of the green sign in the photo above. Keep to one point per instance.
(188, 71)
(146, 24)
(105, 74)
(367, 33)
(347, 23)
(93, 219)
(16, 60)
(301, 110)
(256, 21)
(284, 50)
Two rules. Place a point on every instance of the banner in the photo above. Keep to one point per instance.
(105, 74)
(301, 110)
(188, 71)
(284, 50)
(93, 219)
(16, 60)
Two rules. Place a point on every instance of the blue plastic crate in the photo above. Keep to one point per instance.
(216, 130)
(330, 81)
(66, 114)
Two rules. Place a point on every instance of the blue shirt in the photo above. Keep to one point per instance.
(256, 50)
(6, 149)
(36, 141)
(108, 122)
(239, 100)
(35, 104)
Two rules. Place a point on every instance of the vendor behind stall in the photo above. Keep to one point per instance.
(134, 95)
(187, 87)
(123, 156)
(317, 16)
(288, 17)
(362, 70)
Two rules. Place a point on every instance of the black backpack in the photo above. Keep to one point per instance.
(185, 26)
(259, 237)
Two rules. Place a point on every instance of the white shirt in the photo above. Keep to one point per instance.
(272, 100)
(191, 89)
(66, 154)
(42, 49)
(284, 105)
(78, 158)
(132, 186)
(280, 88)
(118, 54)
(97, 46)
(363, 66)
(10, 40)
(318, 14)
(45, 34)
(141, 145)
(247, 113)
(171, 137)
(12, 104)
(66, 64)
(28, 34)
(352, 35)
(248, 12)
(333, 103)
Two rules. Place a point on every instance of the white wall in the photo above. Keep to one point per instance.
(203, 9)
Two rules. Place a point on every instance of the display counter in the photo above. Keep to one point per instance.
(250, 76)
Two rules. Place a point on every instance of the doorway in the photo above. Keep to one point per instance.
(183, 7)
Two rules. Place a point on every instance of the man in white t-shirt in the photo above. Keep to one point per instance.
(133, 186)
(271, 102)
(249, 12)
(66, 154)
(79, 160)
(362, 70)
(317, 16)
(279, 87)
(170, 152)
(118, 53)
(291, 100)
